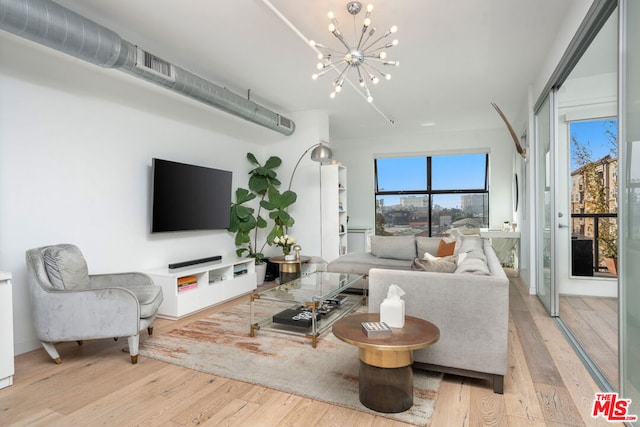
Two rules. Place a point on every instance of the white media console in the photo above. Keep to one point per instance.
(203, 285)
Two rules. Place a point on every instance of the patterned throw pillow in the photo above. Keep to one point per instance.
(446, 264)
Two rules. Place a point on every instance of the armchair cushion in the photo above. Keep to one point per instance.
(66, 267)
(149, 295)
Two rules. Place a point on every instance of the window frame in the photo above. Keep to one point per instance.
(429, 190)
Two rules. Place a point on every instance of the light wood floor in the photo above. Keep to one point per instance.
(594, 323)
(546, 385)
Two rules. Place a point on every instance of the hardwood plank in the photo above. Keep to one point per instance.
(453, 404)
(520, 395)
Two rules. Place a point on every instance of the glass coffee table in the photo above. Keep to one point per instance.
(306, 306)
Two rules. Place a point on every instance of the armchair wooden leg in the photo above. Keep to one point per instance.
(51, 350)
(134, 342)
(150, 330)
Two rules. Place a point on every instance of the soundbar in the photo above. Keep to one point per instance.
(194, 262)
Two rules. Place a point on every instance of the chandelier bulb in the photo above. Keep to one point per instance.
(395, 42)
(369, 98)
(332, 95)
(367, 22)
(314, 77)
(332, 27)
(394, 29)
(361, 82)
(320, 66)
(330, 15)
(320, 56)
(312, 43)
(387, 76)
(369, 8)
(382, 55)
(338, 89)
(375, 80)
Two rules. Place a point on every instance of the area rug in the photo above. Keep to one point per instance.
(220, 344)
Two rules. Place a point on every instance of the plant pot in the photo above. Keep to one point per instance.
(261, 271)
(612, 265)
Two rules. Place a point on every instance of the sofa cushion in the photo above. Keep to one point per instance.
(439, 265)
(472, 246)
(394, 247)
(427, 245)
(362, 262)
(66, 267)
(473, 266)
(446, 248)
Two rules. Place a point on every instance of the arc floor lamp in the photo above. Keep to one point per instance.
(321, 153)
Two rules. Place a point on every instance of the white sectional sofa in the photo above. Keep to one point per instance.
(469, 305)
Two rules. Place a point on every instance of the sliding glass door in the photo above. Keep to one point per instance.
(545, 287)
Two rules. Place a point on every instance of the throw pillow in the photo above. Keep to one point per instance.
(394, 247)
(446, 248)
(427, 244)
(66, 267)
(439, 265)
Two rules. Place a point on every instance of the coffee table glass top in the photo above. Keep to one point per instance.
(314, 287)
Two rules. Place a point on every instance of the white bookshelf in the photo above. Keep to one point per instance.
(6, 331)
(217, 282)
(333, 187)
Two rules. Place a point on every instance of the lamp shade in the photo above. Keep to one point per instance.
(321, 153)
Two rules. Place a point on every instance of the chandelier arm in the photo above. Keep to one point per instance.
(384, 46)
(360, 79)
(339, 37)
(377, 70)
(377, 40)
(369, 34)
(333, 64)
(340, 80)
(331, 49)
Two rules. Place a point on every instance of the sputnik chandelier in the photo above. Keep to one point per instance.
(364, 56)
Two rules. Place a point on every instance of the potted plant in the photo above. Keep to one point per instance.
(246, 221)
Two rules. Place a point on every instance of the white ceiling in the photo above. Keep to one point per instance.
(457, 56)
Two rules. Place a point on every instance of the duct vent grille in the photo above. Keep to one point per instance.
(284, 122)
(155, 65)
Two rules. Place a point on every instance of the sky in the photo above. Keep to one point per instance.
(592, 134)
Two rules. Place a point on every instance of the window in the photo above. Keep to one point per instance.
(427, 195)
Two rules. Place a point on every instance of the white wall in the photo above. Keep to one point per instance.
(358, 156)
(311, 128)
(76, 144)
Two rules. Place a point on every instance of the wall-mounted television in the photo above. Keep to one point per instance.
(189, 197)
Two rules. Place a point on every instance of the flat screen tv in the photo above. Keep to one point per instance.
(189, 197)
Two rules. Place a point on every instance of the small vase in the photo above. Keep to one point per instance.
(286, 251)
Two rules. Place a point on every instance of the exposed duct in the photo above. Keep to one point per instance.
(59, 28)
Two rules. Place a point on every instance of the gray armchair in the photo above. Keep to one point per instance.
(68, 304)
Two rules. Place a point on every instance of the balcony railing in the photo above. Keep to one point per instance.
(587, 227)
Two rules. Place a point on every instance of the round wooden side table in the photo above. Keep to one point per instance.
(386, 376)
(289, 269)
